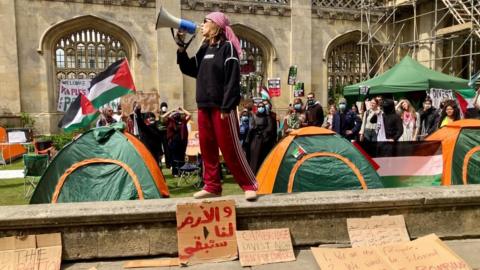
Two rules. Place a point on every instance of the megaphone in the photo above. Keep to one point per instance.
(166, 19)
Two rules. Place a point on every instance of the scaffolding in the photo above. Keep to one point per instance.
(453, 39)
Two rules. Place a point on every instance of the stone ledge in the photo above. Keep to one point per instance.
(104, 229)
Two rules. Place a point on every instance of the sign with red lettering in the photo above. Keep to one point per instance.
(38, 252)
(274, 87)
(206, 232)
(265, 246)
(69, 91)
(424, 253)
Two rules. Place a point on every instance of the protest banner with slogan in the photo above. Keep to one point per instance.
(69, 91)
(193, 145)
(299, 89)
(292, 75)
(206, 232)
(265, 246)
(438, 95)
(37, 252)
(274, 87)
(424, 253)
(377, 231)
(150, 102)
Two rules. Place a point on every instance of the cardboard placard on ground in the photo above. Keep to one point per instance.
(36, 252)
(206, 232)
(427, 252)
(377, 231)
(163, 262)
(265, 246)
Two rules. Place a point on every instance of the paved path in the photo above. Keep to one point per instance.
(468, 249)
(8, 174)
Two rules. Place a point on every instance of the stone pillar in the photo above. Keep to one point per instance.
(9, 77)
(301, 42)
(426, 51)
(170, 79)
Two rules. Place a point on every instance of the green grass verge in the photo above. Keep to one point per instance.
(15, 165)
(12, 190)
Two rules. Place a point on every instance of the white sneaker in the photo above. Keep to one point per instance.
(250, 195)
(203, 194)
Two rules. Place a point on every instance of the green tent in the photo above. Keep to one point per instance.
(103, 164)
(315, 159)
(407, 76)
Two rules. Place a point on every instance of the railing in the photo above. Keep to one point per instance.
(346, 4)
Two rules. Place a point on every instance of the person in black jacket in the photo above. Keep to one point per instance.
(345, 122)
(428, 119)
(313, 112)
(217, 70)
(391, 128)
(260, 137)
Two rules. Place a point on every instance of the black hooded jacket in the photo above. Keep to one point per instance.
(392, 121)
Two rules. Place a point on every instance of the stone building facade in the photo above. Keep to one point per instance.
(43, 41)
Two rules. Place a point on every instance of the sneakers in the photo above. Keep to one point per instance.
(203, 194)
(250, 195)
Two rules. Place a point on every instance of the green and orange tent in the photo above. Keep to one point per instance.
(103, 164)
(461, 151)
(315, 159)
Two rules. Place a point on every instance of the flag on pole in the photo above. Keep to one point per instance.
(264, 93)
(465, 98)
(474, 79)
(108, 85)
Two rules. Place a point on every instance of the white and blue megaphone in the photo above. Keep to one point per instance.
(166, 19)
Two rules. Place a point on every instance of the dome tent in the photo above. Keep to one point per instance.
(315, 159)
(103, 164)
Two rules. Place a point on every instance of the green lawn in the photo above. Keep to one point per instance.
(12, 190)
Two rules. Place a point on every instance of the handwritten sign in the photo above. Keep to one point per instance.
(69, 91)
(37, 252)
(377, 231)
(148, 100)
(206, 232)
(265, 246)
(425, 253)
(438, 95)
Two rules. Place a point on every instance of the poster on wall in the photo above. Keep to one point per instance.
(69, 90)
(292, 75)
(274, 87)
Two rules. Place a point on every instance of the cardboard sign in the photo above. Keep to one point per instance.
(37, 252)
(377, 231)
(69, 91)
(193, 145)
(206, 232)
(152, 263)
(427, 252)
(274, 87)
(149, 101)
(265, 246)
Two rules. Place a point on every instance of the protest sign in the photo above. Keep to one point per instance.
(69, 91)
(148, 100)
(206, 232)
(274, 87)
(364, 90)
(298, 90)
(427, 252)
(193, 145)
(265, 246)
(38, 252)
(377, 231)
(292, 75)
(438, 95)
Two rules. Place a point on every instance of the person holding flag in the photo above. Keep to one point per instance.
(217, 70)
(108, 85)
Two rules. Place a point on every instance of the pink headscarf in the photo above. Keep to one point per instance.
(221, 20)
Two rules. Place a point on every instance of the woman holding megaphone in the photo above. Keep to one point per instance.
(217, 70)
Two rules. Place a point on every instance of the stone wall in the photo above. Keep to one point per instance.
(148, 228)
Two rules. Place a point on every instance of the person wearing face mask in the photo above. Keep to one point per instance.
(162, 128)
(313, 112)
(345, 122)
(273, 117)
(243, 131)
(216, 69)
(260, 137)
(427, 119)
(295, 117)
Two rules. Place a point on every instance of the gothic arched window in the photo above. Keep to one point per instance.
(83, 54)
(345, 67)
(252, 69)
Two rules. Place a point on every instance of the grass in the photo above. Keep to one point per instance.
(12, 190)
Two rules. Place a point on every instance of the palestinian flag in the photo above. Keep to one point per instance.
(465, 99)
(298, 152)
(265, 93)
(114, 82)
(407, 163)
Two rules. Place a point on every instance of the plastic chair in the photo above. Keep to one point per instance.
(35, 165)
(191, 172)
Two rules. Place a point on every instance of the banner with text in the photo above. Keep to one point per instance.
(438, 95)
(274, 87)
(69, 90)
